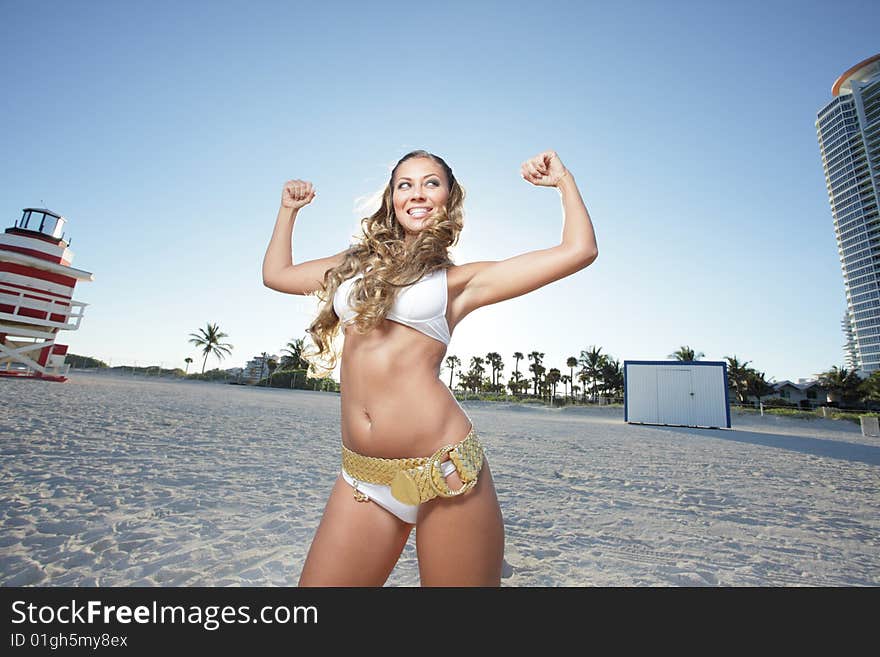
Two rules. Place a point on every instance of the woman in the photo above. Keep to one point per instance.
(411, 456)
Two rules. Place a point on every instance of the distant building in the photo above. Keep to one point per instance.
(810, 393)
(805, 393)
(848, 129)
(257, 368)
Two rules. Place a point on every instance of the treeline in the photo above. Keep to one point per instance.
(588, 377)
(83, 362)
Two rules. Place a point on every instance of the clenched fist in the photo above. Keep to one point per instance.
(296, 194)
(544, 170)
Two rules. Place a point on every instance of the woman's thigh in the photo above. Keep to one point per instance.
(356, 544)
(460, 540)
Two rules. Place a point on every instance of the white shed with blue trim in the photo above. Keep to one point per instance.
(684, 393)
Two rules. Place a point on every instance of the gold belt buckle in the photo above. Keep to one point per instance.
(405, 488)
(438, 482)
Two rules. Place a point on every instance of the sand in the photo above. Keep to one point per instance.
(110, 480)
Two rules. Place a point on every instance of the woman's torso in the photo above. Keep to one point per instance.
(393, 402)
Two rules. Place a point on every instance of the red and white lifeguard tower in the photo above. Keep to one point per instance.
(36, 296)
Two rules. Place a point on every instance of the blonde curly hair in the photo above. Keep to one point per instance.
(387, 265)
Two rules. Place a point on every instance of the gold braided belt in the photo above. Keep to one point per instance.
(417, 480)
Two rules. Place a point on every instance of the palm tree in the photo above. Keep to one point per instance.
(518, 356)
(497, 363)
(870, 387)
(544, 388)
(686, 353)
(452, 362)
(209, 342)
(536, 368)
(500, 368)
(292, 355)
(187, 360)
(553, 377)
(592, 361)
(841, 383)
(475, 374)
(571, 363)
(271, 365)
(612, 377)
(738, 377)
(566, 379)
(757, 386)
(583, 377)
(516, 383)
(265, 357)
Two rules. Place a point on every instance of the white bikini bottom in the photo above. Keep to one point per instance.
(381, 494)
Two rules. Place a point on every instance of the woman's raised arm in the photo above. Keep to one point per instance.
(489, 282)
(279, 272)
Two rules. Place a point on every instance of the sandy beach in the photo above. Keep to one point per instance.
(130, 481)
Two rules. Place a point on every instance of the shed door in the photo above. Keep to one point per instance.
(675, 396)
(710, 409)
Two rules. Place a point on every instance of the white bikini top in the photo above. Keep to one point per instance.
(421, 305)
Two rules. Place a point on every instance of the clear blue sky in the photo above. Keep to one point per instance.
(164, 132)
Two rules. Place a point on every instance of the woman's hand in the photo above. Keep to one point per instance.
(296, 194)
(544, 170)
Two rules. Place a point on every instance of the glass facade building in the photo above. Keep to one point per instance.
(848, 129)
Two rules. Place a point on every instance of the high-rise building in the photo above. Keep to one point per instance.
(849, 139)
